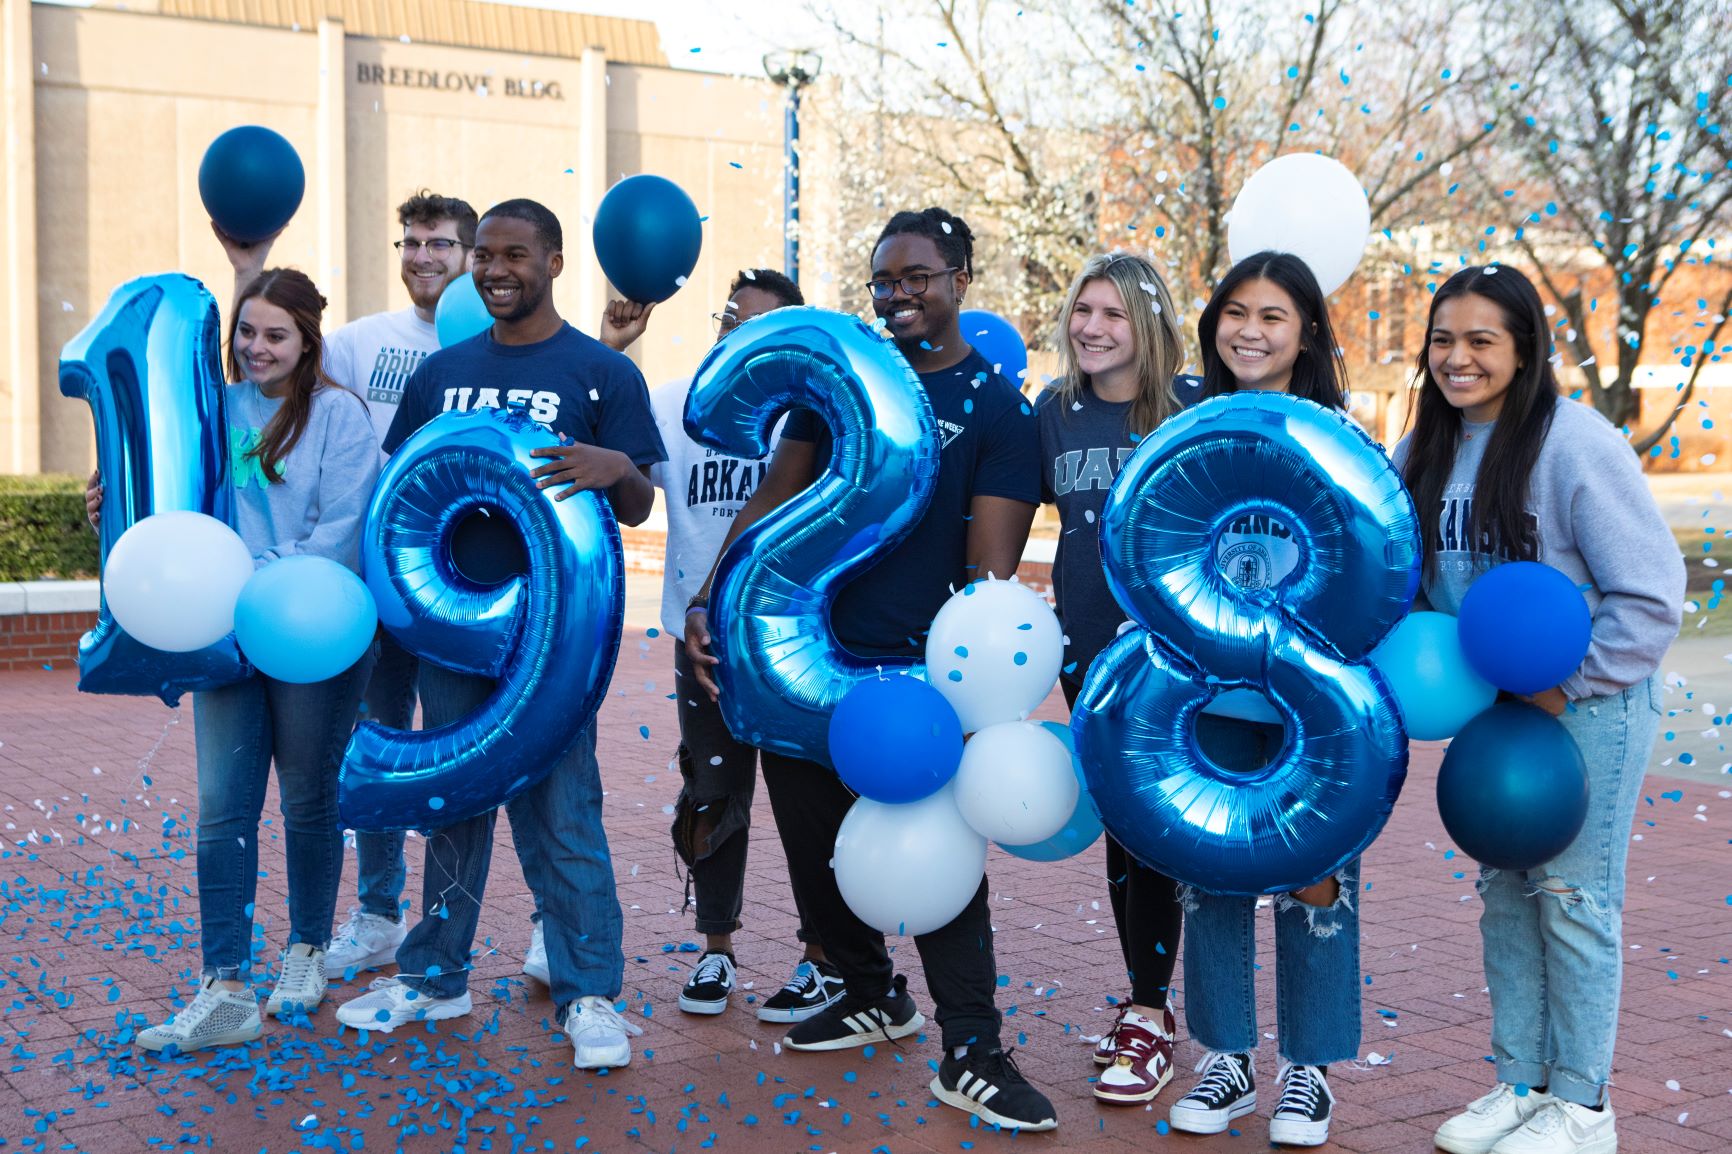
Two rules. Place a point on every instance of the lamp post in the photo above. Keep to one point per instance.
(793, 69)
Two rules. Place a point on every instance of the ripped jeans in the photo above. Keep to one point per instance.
(1553, 936)
(1316, 947)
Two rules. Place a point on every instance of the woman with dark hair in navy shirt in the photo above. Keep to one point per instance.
(976, 525)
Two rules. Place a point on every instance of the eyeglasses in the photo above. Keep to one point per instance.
(914, 284)
(725, 323)
(438, 246)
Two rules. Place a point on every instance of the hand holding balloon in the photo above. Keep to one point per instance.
(93, 499)
(581, 468)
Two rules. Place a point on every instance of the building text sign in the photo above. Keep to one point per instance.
(479, 83)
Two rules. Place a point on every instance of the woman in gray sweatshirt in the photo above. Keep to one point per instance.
(304, 460)
(1503, 469)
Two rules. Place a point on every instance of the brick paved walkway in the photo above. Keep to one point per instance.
(98, 934)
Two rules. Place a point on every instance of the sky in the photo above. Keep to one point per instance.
(710, 35)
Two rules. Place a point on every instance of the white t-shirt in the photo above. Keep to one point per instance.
(704, 491)
(373, 357)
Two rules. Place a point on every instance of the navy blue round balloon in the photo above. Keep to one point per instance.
(1513, 789)
(1525, 627)
(1300, 637)
(251, 182)
(647, 237)
(895, 739)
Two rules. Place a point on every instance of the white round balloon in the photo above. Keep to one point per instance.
(172, 580)
(1311, 206)
(994, 652)
(1016, 785)
(908, 869)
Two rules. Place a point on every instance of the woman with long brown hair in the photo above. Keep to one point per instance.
(304, 461)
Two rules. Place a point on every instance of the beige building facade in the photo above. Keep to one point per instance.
(107, 113)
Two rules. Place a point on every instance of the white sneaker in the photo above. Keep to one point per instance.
(1564, 1128)
(362, 943)
(599, 1034)
(388, 1003)
(217, 1017)
(1488, 1119)
(535, 961)
(301, 985)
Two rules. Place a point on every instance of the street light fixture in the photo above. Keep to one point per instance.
(792, 69)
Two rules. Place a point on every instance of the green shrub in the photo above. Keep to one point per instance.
(43, 532)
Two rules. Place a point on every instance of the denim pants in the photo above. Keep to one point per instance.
(390, 701)
(1553, 936)
(239, 731)
(1316, 947)
(556, 826)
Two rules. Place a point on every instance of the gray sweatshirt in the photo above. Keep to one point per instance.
(328, 477)
(1590, 516)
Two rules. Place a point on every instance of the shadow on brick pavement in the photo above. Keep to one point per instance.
(100, 925)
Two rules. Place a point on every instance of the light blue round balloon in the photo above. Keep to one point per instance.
(1084, 827)
(304, 619)
(460, 314)
(1436, 689)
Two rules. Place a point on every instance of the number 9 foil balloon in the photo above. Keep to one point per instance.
(148, 366)
(1301, 641)
(550, 637)
(770, 601)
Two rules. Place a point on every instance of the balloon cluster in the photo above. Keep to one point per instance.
(1513, 789)
(911, 852)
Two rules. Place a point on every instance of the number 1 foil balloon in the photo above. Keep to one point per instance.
(782, 670)
(548, 637)
(148, 367)
(1301, 639)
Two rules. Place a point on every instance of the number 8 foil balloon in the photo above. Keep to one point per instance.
(550, 637)
(147, 365)
(770, 601)
(1300, 640)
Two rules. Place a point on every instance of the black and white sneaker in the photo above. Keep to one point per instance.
(1227, 1091)
(712, 980)
(1302, 1118)
(987, 1084)
(858, 1021)
(812, 988)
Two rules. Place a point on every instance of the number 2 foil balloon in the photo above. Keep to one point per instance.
(148, 367)
(782, 670)
(549, 637)
(1299, 638)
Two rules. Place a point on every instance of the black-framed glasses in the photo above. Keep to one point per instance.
(725, 323)
(438, 246)
(914, 284)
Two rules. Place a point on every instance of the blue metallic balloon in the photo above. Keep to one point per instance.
(782, 670)
(148, 366)
(550, 638)
(1300, 641)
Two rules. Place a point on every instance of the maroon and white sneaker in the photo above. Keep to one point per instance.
(1144, 1062)
(1108, 1047)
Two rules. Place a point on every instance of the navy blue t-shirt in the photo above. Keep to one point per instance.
(571, 383)
(1082, 446)
(991, 448)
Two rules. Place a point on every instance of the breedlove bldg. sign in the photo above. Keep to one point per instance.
(479, 83)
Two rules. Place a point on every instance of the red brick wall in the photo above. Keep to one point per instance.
(32, 640)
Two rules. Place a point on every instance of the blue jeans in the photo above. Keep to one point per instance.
(556, 826)
(389, 700)
(239, 731)
(1316, 947)
(1553, 936)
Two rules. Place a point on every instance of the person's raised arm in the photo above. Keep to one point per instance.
(997, 531)
(793, 467)
(622, 323)
(248, 260)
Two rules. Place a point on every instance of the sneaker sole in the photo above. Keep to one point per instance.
(890, 1034)
(694, 1006)
(1210, 1121)
(370, 962)
(616, 1060)
(1131, 1097)
(431, 1014)
(1471, 1145)
(1297, 1133)
(277, 1009)
(234, 1038)
(985, 1113)
(800, 1014)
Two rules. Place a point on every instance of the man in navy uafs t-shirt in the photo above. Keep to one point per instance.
(597, 400)
(977, 523)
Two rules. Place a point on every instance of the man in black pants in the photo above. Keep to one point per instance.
(976, 525)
